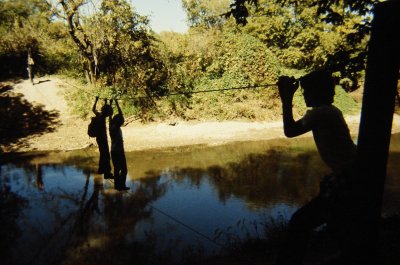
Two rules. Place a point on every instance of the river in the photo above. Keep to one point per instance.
(183, 202)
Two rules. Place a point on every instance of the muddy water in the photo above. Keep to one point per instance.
(187, 200)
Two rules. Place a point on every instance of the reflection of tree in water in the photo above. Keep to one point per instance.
(103, 232)
(87, 224)
(290, 177)
(99, 226)
(10, 208)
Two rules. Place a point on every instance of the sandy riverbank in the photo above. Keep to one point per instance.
(70, 131)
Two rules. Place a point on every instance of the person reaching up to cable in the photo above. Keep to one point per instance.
(337, 150)
(117, 149)
(101, 138)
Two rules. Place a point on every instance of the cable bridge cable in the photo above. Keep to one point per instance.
(221, 89)
(186, 93)
(176, 220)
(188, 227)
(208, 238)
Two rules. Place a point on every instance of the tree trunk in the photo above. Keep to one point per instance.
(375, 132)
(84, 45)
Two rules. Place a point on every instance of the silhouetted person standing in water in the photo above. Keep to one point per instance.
(101, 138)
(117, 150)
(337, 150)
(30, 65)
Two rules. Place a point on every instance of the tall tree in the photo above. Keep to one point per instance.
(381, 81)
(205, 12)
(115, 44)
(304, 40)
(347, 58)
(72, 15)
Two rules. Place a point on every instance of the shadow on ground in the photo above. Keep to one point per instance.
(21, 119)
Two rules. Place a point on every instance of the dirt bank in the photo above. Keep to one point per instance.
(69, 131)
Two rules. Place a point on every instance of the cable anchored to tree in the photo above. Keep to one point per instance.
(188, 93)
(220, 89)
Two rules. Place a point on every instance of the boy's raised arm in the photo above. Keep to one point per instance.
(94, 106)
(287, 87)
(119, 111)
(118, 107)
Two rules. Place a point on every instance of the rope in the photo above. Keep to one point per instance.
(188, 227)
(221, 89)
(186, 93)
(176, 220)
(250, 260)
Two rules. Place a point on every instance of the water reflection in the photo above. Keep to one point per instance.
(68, 214)
(54, 210)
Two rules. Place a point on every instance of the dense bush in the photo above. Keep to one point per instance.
(115, 49)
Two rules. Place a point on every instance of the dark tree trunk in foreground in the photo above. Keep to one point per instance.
(375, 131)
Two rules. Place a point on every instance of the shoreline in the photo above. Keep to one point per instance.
(139, 137)
(68, 132)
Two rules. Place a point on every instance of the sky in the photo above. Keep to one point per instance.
(165, 15)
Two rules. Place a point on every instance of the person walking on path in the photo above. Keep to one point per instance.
(117, 149)
(101, 138)
(30, 65)
(337, 150)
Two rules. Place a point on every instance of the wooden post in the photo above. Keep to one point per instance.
(375, 131)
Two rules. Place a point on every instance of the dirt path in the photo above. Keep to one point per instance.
(70, 132)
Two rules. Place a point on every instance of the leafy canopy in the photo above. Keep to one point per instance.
(348, 58)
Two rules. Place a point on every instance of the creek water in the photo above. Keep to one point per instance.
(181, 200)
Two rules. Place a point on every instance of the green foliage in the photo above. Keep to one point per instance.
(79, 97)
(29, 24)
(56, 50)
(117, 51)
(123, 48)
(246, 60)
(220, 59)
(279, 40)
(298, 36)
(113, 46)
(347, 25)
(206, 59)
(205, 12)
(344, 102)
